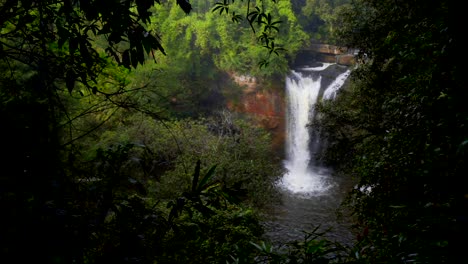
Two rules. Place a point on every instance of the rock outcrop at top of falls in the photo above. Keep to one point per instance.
(327, 53)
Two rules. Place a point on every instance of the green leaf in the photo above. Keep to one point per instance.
(263, 63)
(256, 245)
(217, 7)
(236, 18)
(185, 5)
(315, 247)
(206, 178)
(114, 54)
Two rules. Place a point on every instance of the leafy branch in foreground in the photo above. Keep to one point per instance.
(57, 38)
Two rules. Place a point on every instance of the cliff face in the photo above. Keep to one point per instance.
(266, 107)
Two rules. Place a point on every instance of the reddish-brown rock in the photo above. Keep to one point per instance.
(265, 106)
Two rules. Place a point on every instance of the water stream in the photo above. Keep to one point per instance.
(311, 194)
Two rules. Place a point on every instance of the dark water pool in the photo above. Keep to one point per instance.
(285, 222)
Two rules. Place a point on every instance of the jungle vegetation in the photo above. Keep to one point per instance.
(401, 129)
(118, 146)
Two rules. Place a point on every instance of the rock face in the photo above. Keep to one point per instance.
(327, 49)
(265, 106)
(328, 53)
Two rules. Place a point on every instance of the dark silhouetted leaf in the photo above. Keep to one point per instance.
(196, 176)
(140, 54)
(73, 45)
(126, 59)
(185, 5)
(70, 80)
(206, 178)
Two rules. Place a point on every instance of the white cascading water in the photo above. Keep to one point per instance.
(332, 89)
(302, 92)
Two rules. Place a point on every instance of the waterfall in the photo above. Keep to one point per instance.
(330, 92)
(310, 195)
(303, 175)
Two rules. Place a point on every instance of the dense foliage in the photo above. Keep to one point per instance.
(401, 129)
(100, 162)
(109, 158)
